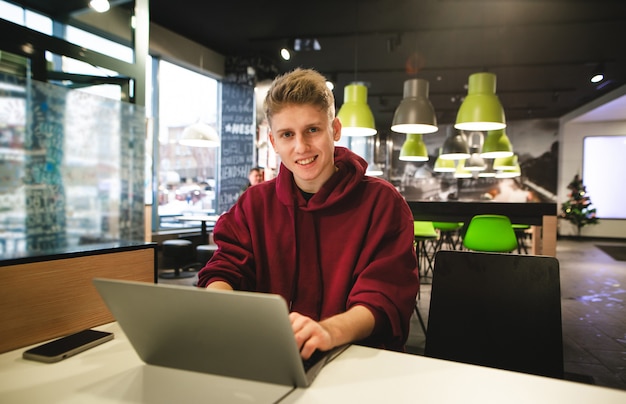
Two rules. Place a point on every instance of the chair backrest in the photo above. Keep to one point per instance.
(490, 233)
(424, 229)
(496, 310)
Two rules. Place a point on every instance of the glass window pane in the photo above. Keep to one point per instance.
(187, 174)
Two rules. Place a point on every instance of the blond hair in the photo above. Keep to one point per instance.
(300, 86)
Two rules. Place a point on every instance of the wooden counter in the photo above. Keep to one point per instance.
(50, 295)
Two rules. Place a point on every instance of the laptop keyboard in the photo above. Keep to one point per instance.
(313, 359)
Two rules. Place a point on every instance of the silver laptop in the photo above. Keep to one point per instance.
(237, 334)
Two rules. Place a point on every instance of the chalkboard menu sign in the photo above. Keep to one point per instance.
(237, 148)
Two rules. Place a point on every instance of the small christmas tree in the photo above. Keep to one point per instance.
(578, 210)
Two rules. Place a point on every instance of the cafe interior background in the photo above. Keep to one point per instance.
(96, 114)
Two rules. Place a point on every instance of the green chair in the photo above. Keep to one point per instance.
(448, 234)
(490, 233)
(522, 235)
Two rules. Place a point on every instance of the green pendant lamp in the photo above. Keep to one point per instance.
(510, 172)
(461, 171)
(355, 115)
(497, 144)
(505, 163)
(413, 148)
(444, 166)
(481, 110)
(415, 114)
(455, 147)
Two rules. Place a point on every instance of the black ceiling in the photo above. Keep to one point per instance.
(542, 51)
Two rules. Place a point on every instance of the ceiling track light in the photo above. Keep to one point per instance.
(100, 6)
(598, 74)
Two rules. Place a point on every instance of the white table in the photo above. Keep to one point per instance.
(203, 219)
(112, 373)
(365, 375)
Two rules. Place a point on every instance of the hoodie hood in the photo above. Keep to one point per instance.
(345, 181)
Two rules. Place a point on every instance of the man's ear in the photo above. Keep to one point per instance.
(336, 129)
(271, 136)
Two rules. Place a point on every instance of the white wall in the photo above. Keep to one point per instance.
(603, 117)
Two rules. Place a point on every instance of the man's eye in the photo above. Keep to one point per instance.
(287, 134)
(313, 130)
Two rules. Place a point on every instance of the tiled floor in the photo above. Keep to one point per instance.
(593, 291)
(593, 295)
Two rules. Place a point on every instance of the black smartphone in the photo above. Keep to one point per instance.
(67, 346)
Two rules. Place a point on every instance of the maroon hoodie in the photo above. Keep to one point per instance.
(350, 244)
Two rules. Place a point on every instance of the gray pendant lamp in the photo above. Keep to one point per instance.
(200, 135)
(475, 162)
(497, 144)
(415, 114)
(455, 146)
(481, 109)
(413, 148)
(488, 172)
(355, 115)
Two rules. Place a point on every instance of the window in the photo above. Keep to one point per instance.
(187, 175)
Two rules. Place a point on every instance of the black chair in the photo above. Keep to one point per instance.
(498, 310)
(179, 255)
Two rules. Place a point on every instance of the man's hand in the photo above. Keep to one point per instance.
(310, 335)
(350, 326)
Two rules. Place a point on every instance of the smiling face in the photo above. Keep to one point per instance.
(304, 138)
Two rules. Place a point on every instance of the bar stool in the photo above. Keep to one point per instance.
(204, 252)
(490, 233)
(521, 234)
(425, 234)
(177, 254)
(448, 234)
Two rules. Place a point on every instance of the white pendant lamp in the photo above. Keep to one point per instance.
(200, 135)
(355, 115)
(481, 109)
(415, 114)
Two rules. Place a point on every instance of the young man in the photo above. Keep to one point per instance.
(336, 244)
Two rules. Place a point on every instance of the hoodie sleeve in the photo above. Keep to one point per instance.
(233, 262)
(388, 282)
